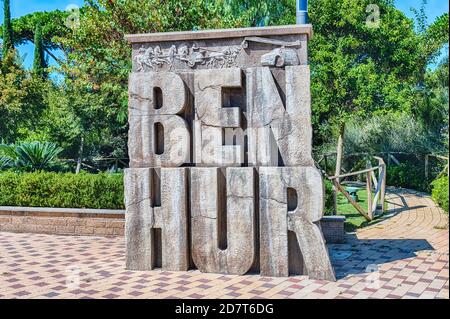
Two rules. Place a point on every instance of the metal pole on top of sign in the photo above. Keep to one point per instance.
(302, 11)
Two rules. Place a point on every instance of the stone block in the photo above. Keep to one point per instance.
(174, 219)
(158, 141)
(158, 137)
(228, 104)
(333, 229)
(138, 218)
(223, 224)
(144, 220)
(277, 126)
(291, 199)
(156, 93)
(211, 117)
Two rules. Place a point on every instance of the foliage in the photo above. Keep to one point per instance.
(53, 26)
(31, 156)
(431, 101)
(7, 34)
(409, 176)
(358, 70)
(39, 63)
(329, 204)
(21, 102)
(62, 190)
(262, 13)
(5, 162)
(393, 132)
(440, 192)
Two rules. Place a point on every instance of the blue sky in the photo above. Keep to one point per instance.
(21, 7)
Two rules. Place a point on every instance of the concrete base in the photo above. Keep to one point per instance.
(333, 229)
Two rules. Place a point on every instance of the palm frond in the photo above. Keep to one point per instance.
(8, 151)
(36, 155)
(5, 162)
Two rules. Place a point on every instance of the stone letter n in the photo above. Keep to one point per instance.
(275, 126)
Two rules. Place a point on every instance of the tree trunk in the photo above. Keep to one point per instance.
(339, 152)
(80, 156)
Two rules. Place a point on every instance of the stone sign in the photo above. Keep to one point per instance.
(221, 173)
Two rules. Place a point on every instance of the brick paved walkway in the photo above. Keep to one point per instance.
(405, 256)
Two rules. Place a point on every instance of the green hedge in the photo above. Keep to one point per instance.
(440, 192)
(408, 176)
(62, 190)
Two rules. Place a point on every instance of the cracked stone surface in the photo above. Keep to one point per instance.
(209, 204)
(143, 217)
(143, 137)
(211, 117)
(229, 110)
(271, 123)
(277, 218)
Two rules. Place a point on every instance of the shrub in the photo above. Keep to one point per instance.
(329, 204)
(62, 190)
(408, 176)
(440, 192)
(392, 132)
(31, 156)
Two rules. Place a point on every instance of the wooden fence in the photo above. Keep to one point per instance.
(372, 179)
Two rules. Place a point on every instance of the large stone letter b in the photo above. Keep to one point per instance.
(158, 136)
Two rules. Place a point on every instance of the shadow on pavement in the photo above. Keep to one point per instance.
(358, 256)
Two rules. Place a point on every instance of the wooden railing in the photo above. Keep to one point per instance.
(440, 157)
(371, 180)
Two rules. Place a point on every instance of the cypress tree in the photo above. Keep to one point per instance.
(39, 64)
(7, 46)
(7, 31)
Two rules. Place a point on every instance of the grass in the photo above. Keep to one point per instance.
(353, 219)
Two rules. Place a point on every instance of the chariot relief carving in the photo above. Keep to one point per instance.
(154, 57)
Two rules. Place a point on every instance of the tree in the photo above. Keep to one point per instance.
(99, 61)
(431, 104)
(255, 13)
(361, 69)
(7, 29)
(431, 93)
(39, 64)
(21, 103)
(52, 27)
(7, 46)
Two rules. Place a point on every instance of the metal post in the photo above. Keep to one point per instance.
(302, 11)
